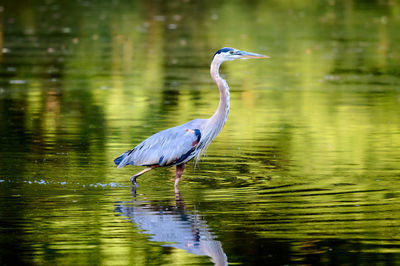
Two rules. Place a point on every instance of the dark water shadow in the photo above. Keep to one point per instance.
(184, 229)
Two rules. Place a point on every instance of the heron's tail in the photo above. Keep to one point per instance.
(118, 160)
(124, 159)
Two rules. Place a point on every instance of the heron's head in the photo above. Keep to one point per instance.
(227, 53)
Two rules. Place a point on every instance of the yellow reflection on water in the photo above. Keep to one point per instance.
(309, 153)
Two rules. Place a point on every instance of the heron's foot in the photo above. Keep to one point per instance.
(133, 181)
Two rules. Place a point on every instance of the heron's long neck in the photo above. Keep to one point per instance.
(220, 116)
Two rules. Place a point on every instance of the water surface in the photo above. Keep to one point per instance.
(306, 170)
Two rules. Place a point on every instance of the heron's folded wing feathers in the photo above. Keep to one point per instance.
(167, 147)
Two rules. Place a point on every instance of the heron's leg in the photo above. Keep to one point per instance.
(133, 178)
(180, 203)
(179, 171)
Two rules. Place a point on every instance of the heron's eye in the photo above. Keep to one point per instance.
(231, 52)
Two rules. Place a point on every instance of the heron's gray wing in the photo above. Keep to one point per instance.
(168, 147)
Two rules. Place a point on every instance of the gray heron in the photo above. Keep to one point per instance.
(180, 144)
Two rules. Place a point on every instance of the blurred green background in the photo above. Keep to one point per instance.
(306, 170)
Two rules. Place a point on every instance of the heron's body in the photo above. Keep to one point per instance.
(180, 144)
(169, 147)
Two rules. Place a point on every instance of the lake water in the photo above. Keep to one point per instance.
(305, 172)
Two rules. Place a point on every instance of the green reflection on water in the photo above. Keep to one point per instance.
(306, 169)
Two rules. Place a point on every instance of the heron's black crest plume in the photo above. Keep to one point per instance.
(223, 50)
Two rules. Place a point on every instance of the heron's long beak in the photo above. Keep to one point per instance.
(248, 55)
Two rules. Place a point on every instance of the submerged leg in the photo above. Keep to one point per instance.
(133, 178)
(180, 203)
(179, 171)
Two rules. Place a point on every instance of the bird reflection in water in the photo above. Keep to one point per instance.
(185, 229)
